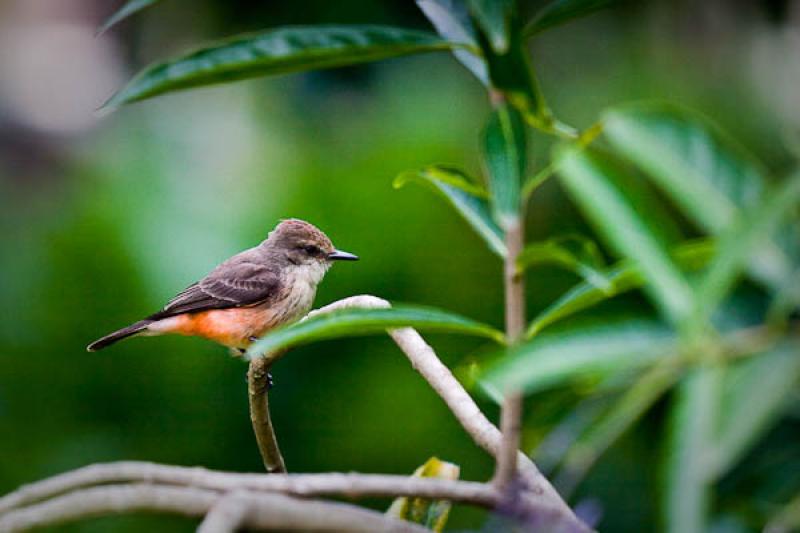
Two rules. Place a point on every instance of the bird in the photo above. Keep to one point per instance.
(246, 296)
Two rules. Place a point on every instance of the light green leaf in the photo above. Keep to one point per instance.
(430, 513)
(554, 358)
(622, 277)
(576, 253)
(742, 240)
(693, 417)
(561, 11)
(707, 174)
(468, 198)
(131, 7)
(494, 17)
(451, 20)
(597, 188)
(355, 322)
(278, 51)
(505, 155)
(616, 421)
(754, 392)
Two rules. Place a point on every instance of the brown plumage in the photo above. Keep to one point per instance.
(247, 295)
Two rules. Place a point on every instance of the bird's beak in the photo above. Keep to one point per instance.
(338, 255)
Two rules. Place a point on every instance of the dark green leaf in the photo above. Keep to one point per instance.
(554, 358)
(430, 513)
(494, 17)
(694, 416)
(622, 277)
(451, 20)
(130, 7)
(753, 396)
(597, 188)
(355, 322)
(468, 198)
(572, 252)
(561, 11)
(505, 155)
(278, 51)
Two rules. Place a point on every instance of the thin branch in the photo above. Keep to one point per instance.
(511, 425)
(258, 394)
(227, 515)
(514, 282)
(265, 510)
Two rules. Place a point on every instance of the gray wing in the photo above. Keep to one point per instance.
(235, 283)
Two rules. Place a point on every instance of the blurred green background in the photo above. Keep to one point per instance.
(104, 219)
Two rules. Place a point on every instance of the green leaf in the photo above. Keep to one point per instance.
(451, 20)
(599, 191)
(561, 11)
(742, 240)
(616, 421)
(355, 322)
(754, 394)
(554, 358)
(494, 17)
(430, 513)
(576, 253)
(693, 417)
(131, 7)
(505, 156)
(278, 51)
(622, 277)
(706, 174)
(467, 197)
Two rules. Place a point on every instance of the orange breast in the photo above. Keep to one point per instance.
(229, 327)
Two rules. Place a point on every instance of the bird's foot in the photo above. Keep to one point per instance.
(270, 383)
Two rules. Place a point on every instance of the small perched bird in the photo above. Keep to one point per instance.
(249, 294)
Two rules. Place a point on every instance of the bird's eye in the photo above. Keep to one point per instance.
(310, 249)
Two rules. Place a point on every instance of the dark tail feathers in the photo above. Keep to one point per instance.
(118, 335)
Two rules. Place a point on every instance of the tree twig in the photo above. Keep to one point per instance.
(514, 282)
(511, 425)
(258, 394)
(264, 510)
(227, 515)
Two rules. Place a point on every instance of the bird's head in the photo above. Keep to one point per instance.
(303, 245)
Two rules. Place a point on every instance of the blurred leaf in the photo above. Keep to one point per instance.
(554, 358)
(451, 20)
(622, 277)
(494, 17)
(755, 391)
(430, 513)
(597, 189)
(787, 519)
(131, 7)
(693, 417)
(505, 155)
(576, 253)
(616, 421)
(561, 11)
(465, 195)
(355, 322)
(707, 174)
(744, 238)
(278, 51)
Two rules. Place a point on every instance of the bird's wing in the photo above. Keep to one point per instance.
(232, 284)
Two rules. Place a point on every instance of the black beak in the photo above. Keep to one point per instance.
(338, 255)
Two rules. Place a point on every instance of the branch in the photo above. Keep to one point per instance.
(227, 515)
(511, 424)
(258, 391)
(514, 283)
(263, 510)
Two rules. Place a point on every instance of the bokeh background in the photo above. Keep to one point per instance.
(104, 218)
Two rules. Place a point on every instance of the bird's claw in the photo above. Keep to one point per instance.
(270, 383)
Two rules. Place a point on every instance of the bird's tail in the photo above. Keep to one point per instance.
(118, 335)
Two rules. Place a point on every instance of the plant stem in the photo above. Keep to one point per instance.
(514, 283)
(258, 390)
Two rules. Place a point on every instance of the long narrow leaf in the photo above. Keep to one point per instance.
(468, 199)
(355, 322)
(596, 187)
(561, 11)
(622, 277)
(689, 459)
(505, 155)
(278, 51)
(131, 7)
(572, 252)
(754, 392)
(495, 18)
(554, 358)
